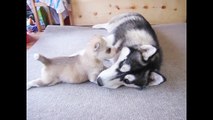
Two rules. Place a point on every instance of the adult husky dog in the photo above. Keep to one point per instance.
(140, 55)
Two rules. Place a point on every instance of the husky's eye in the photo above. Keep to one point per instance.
(126, 81)
(108, 50)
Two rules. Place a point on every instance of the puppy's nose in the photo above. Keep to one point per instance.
(99, 81)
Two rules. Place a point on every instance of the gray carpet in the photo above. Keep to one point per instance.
(88, 101)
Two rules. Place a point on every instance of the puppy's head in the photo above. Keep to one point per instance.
(100, 49)
(134, 68)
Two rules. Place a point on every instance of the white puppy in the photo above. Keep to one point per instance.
(77, 68)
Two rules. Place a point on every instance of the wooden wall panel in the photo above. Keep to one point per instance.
(90, 12)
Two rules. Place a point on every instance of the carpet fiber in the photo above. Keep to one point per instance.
(88, 101)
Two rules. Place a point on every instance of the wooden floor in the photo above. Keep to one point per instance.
(33, 38)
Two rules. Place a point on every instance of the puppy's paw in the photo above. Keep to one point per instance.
(36, 56)
(28, 86)
(31, 84)
(93, 81)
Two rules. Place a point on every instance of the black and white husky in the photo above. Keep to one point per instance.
(140, 58)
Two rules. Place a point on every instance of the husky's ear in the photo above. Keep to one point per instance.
(147, 51)
(97, 46)
(156, 78)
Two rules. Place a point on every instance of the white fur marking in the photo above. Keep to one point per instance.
(109, 40)
(124, 53)
(140, 37)
(125, 68)
(118, 43)
(130, 77)
(157, 79)
(150, 50)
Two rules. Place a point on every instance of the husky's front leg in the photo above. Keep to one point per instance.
(98, 26)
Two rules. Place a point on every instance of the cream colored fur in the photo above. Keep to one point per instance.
(78, 68)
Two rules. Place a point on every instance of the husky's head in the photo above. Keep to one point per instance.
(134, 68)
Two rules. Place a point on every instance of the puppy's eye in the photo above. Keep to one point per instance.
(108, 50)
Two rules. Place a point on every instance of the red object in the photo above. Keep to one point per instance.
(27, 38)
(66, 21)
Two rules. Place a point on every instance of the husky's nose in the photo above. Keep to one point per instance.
(99, 81)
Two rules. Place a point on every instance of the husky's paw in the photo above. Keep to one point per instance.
(96, 26)
(100, 25)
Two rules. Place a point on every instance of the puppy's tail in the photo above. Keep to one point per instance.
(41, 58)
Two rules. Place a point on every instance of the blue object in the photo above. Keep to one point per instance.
(32, 28)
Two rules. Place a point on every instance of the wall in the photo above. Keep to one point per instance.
(90, 12)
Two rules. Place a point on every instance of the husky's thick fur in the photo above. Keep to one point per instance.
(77, 68)
(140, 54)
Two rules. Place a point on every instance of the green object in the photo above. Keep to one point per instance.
(43, 18)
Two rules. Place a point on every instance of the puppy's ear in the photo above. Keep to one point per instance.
(147, 51)
(156, 78)
(97, 46)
